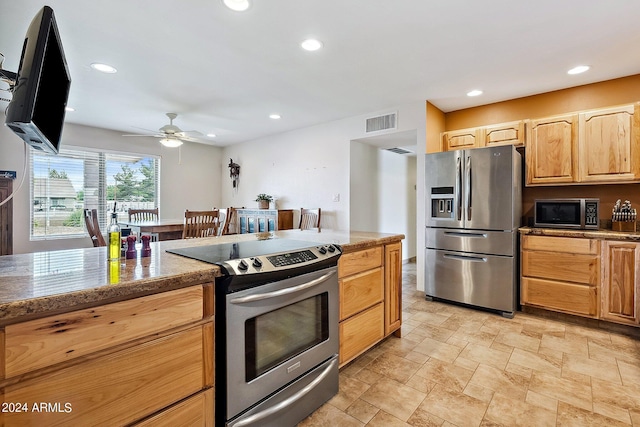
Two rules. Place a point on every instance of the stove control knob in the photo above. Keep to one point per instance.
(331, 248)
(257, 263)
(322, 250)
(243, 266)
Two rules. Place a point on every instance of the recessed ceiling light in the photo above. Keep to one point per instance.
(274, 116)
(104, 68)
(211, 135)
(237, 5)
(311, 44)
(69, 109)
(579, 69)
(474, 92)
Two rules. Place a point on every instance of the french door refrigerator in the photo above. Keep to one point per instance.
(473, 211)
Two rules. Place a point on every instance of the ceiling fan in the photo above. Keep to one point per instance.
(171, 135)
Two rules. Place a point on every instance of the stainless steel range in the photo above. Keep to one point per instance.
(276, 329)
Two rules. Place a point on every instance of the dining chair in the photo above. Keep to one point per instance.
(93, 227)
(200, 223)
(309, 219)
(145, 215)
(229, 226)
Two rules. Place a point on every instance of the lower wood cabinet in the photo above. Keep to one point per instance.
(620, 282)
(146, 360)
(561, 274)
(585, 277)
(118, 388)
(370, 298)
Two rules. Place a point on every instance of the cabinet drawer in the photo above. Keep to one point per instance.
(50, 340)
(360, 332)
(566, 267)
(195, 411)
(566, 297)
(118, 388)
(361, 291)
(561, 244)
(355, 262)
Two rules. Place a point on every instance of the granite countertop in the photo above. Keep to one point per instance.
(601, 234)
(43, 283)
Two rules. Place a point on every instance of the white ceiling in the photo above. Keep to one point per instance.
(225, 72)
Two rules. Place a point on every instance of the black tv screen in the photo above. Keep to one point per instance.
(36, 111)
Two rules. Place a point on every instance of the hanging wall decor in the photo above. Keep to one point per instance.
(234, 173)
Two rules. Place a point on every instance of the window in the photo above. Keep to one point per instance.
(63, 185)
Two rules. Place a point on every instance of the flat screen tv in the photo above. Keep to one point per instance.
(37, 108)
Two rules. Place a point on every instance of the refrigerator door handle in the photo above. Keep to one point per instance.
(458, 189)
(468, 189)
(465, 258)
(461, 234)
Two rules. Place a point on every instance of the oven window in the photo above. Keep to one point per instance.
(271, 338)
(566, 213)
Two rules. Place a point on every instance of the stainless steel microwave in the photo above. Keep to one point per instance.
(567, 213)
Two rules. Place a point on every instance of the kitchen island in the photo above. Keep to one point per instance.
(132, 341)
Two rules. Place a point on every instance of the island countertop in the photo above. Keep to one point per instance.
(44, 283)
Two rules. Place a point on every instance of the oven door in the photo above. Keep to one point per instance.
(277, 332)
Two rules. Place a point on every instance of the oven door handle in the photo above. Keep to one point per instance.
(288, 401)
(281, 292)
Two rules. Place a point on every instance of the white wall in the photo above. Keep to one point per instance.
(383, 193)
(192, 183)
(307, 167)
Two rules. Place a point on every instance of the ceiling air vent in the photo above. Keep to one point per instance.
(388, 121)
(398, 150)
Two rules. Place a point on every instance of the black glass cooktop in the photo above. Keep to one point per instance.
(227, 251)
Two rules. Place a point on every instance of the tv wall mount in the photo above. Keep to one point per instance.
(8, 77)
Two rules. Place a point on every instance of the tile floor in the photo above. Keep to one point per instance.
(455, 366)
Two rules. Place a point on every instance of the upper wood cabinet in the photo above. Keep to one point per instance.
(620, 283)
(512, 133)
(608, 144)
(461, 139)
(551, 150)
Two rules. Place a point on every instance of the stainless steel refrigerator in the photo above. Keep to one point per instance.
(473, 211)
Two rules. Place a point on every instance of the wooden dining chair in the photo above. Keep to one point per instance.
(309, 219)
(143, 214)
(229, 226)
(93, 227)
(200, 224)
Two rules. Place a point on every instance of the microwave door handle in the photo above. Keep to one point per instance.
(281, 292)
(458, 189)
(288, 401)
(469, 187)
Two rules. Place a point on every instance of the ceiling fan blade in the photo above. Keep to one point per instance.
(192, 132)
(154, 136)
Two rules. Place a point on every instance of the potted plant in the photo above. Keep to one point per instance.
(263, 200)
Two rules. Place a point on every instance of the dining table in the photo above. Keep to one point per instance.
(166, 229)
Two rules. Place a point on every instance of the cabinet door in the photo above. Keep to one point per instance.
(392, 287)
(504, 134)
(620, 285)
(608, 145)
(551, 150)
(361, 332)
(460, 139)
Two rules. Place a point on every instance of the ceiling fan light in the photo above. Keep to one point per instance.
(170, 142)
(237, 5)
